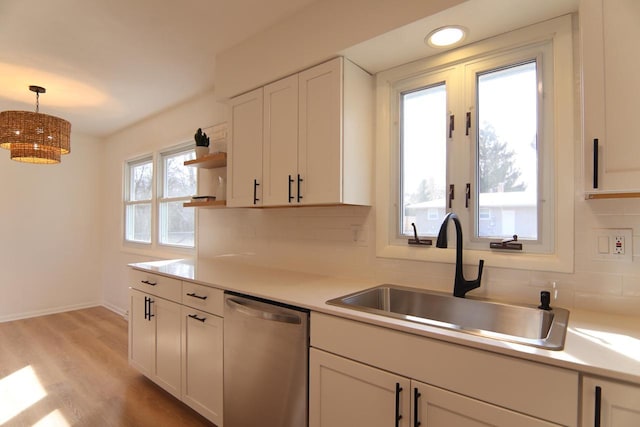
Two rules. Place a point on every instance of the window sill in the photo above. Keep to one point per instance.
(520, 261)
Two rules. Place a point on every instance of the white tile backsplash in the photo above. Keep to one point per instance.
(321, 240)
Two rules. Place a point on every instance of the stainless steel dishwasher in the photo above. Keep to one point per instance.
(266, 363)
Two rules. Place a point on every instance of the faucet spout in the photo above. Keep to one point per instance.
(461, 286)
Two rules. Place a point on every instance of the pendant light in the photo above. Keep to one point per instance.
(34, 137)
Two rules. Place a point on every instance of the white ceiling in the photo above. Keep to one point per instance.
(109, 63)
(483, 19)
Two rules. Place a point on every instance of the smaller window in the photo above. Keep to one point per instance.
(179, 183)
(138, 200)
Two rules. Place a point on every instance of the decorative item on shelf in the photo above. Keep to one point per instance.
(219, 138)
(202, 143)
(201, 199)
(34, 137)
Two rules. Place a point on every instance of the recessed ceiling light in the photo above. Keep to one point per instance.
(446, 36)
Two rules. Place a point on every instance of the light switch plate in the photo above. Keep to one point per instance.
(613, 244)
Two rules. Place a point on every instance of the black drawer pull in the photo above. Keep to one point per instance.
(195, 316)
(194, 295)
(146, 282)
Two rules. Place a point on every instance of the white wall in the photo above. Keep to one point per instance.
(50, 224)
(171, 127)
(341, 240)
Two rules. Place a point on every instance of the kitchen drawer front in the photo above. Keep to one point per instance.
(535, 389)
(155, 284)
(203, 298)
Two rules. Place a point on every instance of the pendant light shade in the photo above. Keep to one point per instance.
(34, 137)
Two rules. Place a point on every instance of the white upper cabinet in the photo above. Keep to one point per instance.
(315, 145)
(610, 30)
(280, 141)
(244, 165)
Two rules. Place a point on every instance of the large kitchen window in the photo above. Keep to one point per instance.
(139, 200)
(156, 186)
(179, 183)
(485, 132)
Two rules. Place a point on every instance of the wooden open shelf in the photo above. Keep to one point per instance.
(209, 204)
(210, 161)
(612, 195)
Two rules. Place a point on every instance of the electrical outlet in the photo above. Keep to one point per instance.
(613, 244)
(618, 245)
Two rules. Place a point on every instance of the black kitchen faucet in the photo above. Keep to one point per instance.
(460, 286)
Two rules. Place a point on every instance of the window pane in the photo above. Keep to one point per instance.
(138, 223)
(507, 153)
(140, 181)
(424, 159)
(177, 224)
(179, 180)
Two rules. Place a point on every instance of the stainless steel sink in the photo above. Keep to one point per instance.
(514, 323)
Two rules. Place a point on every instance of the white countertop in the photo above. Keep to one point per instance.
(596, 343)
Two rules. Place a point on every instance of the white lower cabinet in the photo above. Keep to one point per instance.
(608, 403)
(435, 407)
(155, 339)
(355, 369)
(345, 393)
(202, 363)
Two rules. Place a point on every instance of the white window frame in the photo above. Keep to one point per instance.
(154, 248)
(129, 164)
(559, 257)
(162, 199)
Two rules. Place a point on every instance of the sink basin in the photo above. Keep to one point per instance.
(513, 323)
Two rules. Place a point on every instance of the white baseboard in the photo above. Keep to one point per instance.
(117, 310)
(53, 310)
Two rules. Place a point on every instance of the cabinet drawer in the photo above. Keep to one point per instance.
(155, 284)
(203, 298)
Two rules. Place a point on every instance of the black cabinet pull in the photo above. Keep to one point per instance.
(299, 193)
(146, 282)
(398, 415)
(150, 313)
(194, 295)
(255, 191)
(595, 163)
(416, 398)
(146, 308)
(596, 415)
(195, 316)
(468, 126)
(290, 182)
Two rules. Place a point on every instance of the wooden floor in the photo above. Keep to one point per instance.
(71, 369)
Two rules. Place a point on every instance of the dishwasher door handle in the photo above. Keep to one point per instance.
(261, 314)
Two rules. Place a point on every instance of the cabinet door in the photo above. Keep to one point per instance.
(167, 317)
(320, 133)
(142, 334)
(436, 407)
(202, 363)
(343, 393)
(280, 142)
(610, 32)
(619, 404)
(244, 166)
